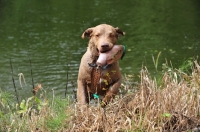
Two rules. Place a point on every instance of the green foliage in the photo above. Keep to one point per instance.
(6, 109)
(42, 114)
(6, 104)
(55, 122)
(186, 65)
(40, 103)
(23, 107)
(32, 102)
(5, 98)
(166, 115)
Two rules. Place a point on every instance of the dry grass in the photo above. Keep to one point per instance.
(169, 105)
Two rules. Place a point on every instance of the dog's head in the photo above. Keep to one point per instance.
(103, 36)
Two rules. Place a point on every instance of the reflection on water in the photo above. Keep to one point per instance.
(48, 33)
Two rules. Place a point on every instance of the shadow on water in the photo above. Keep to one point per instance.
(48, 33)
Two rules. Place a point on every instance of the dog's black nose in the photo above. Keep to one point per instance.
(106, 45)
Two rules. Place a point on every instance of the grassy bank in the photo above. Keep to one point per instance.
(33, 114)
(168, 102)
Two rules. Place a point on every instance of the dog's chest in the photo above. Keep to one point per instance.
(107, 76)
(101, 80)
(103, 77)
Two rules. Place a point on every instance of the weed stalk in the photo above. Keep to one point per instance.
(66, 85)
(32, 74)
(14, 82)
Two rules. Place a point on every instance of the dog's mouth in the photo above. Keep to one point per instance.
(102, 51)
(111, 56)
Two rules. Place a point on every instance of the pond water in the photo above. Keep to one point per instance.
(48, 32)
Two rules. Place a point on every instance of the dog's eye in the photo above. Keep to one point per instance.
(97, 35)
(111, 35)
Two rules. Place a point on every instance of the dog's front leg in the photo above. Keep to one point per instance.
(81, 92)
(112, 92)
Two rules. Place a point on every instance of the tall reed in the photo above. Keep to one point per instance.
(172, 105)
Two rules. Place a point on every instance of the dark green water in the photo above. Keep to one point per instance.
(49, 33)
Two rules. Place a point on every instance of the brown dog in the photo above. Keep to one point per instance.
(102, 38)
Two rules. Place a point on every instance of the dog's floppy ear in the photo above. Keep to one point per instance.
(119, 32)
(87, 33)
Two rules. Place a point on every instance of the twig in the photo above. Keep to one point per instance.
(31, 73)
(66, 85)
(53, 97)
(14, 82)
(73, 84)
(74, 91)
(67, 75)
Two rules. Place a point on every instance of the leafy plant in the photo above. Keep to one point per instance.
(23, 107)
(31, 102)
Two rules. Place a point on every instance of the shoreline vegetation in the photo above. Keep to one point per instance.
(170, 101)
